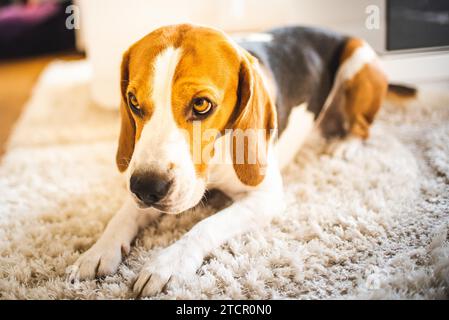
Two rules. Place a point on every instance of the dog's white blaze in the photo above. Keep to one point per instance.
(161, 89)
(299, 125)
(161, 140)
(163, 147)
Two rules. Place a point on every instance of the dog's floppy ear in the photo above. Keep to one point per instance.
(254, 124)
(128, 126)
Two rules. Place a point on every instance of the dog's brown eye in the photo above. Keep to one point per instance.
(201, 106)
(134, 103)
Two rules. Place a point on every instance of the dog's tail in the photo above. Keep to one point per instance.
(400, 93)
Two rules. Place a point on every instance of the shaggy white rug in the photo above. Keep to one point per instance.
(373, 226)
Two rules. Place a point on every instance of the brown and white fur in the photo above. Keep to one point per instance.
(162, 74)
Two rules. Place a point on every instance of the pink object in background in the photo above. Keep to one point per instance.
(34, 28)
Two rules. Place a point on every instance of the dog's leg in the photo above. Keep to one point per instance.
(104, 257)
(182, 259)
(363, 96)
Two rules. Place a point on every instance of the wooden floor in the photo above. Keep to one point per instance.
(17, 78)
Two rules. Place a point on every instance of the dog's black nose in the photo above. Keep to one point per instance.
(149, 188)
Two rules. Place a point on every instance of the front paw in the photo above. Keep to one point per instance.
(102, 259)
(347, 149)
(173, 264)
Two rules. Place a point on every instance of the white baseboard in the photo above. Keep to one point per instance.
(417, 67)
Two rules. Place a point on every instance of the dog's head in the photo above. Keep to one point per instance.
(176, 82)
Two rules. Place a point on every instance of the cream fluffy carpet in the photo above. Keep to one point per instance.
(372, 226)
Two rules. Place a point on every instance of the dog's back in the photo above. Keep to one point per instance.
(303, 62)
(337, 77)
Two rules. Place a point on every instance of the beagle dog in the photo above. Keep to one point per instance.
(201, 110)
